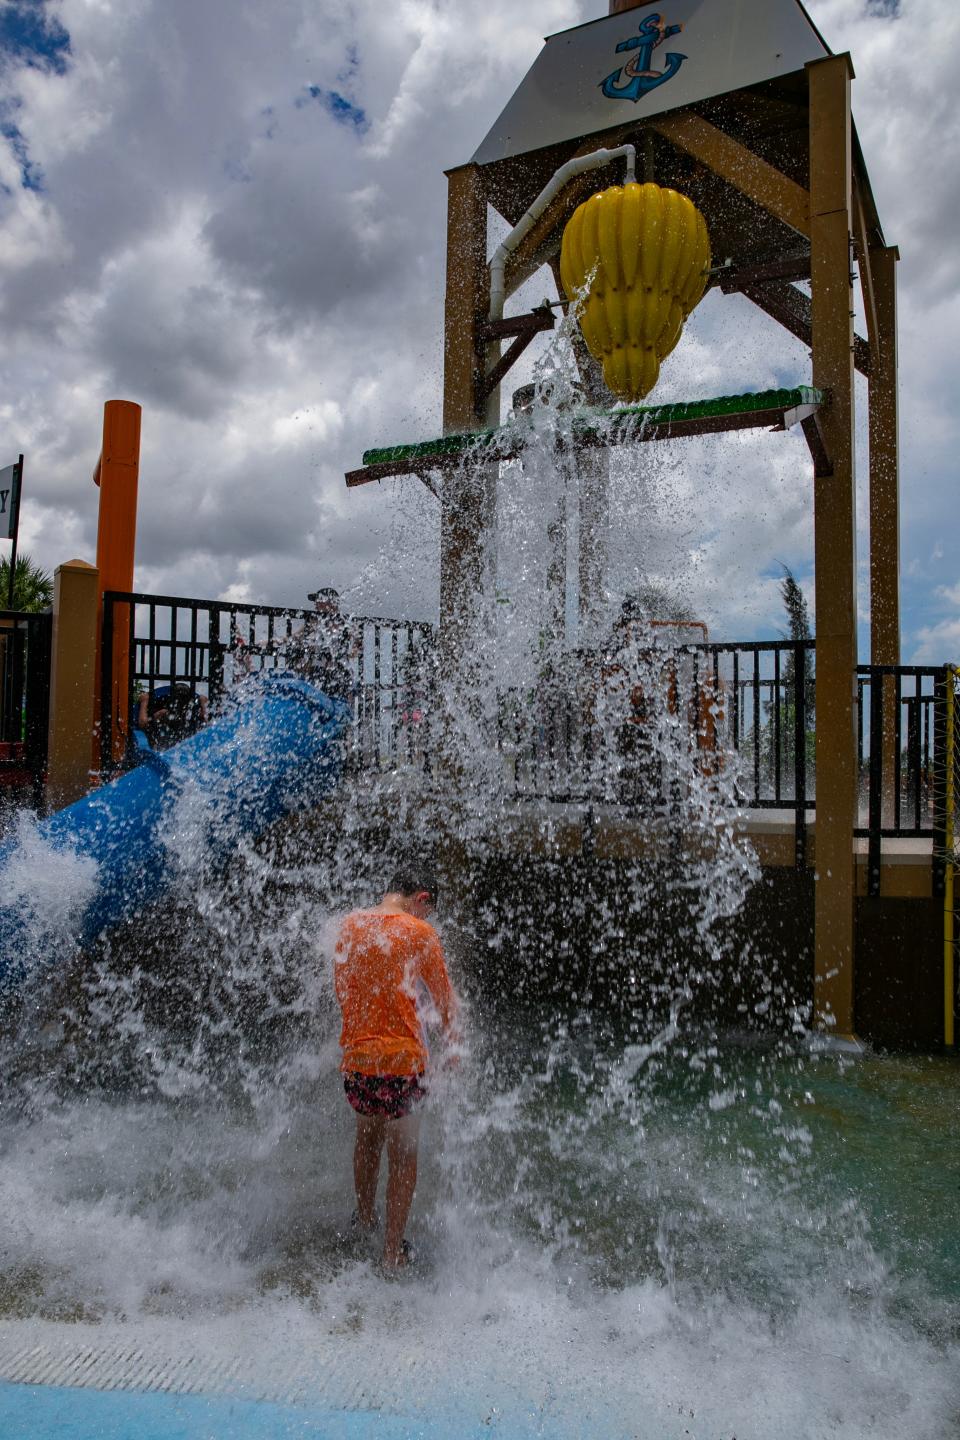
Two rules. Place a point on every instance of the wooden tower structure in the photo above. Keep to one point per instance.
(754, 124)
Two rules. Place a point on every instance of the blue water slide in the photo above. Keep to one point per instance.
(273, 751)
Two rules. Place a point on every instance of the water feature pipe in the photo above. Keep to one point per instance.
(498, 264)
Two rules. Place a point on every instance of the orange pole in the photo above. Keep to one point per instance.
(117, 473)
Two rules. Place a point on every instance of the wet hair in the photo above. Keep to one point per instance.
(411, 881)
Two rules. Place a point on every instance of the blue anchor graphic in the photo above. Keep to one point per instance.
(636, 77)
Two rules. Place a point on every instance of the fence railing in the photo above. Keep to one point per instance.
(750, 706)
(210, 646)
(24, 697)
(900, 752)
(578, 735)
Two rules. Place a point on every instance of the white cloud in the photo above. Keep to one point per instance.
(937, 644)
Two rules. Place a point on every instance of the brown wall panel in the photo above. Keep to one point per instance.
(899, 1001)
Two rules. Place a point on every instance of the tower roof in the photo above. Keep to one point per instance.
(646, 61)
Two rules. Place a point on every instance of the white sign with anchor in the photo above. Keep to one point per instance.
(646, 61)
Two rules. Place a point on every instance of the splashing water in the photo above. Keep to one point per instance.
(630, 1220)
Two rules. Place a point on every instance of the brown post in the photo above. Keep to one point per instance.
(884, 467)
(885, 504)
(467, 299)
(834, 542)
(76, 600)
(593, 469)
(465, 505)
(117, 474)
(555, 619)
(464, 498)
(593, 491)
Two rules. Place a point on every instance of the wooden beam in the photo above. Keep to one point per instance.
(523, 328)
(785, 304)
(542, 318)
(817, 445)
(835, 543)
(884, 469)
(740, 167)
(790, 267)
(507, 446)
(467, 299)
(866, 270)
(793, 309)
(466, 500)
(883, 429)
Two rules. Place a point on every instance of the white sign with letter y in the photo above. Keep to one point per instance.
(9, 485)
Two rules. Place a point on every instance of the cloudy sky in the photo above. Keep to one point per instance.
(233, 212)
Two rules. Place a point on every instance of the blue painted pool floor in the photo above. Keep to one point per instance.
(31, 1412)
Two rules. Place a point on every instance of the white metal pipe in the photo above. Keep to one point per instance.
(594, 161)
(498, 265)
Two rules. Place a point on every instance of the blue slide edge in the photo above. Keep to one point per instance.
(272, 752)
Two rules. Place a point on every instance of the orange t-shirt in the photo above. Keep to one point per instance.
(380, 960)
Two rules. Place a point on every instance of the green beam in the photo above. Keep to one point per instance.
(625, 418)
(770, 408)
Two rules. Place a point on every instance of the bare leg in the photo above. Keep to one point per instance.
(402, 1137)
(371, 1132)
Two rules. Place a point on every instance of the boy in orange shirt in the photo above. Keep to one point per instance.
(382, 956)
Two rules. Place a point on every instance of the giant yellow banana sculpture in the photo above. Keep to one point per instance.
(636, 257)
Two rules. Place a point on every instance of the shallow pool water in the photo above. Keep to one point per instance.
(690, 1237)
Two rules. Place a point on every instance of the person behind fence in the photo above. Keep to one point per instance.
(385, 959)
(170, 713)
(625, 677)
(414, 697)
(324, 650)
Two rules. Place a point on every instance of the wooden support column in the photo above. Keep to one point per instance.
(884, 466)
(464, 500)
(117, 474)
(76, 601)
(465, 515)
(467, 299)
(885, 503)
(593, 497)
(835, 541)
(593, 471)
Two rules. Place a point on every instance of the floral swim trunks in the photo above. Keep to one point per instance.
(390, 1096)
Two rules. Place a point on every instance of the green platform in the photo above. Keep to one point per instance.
(770, 409)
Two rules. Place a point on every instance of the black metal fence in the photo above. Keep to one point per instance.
(210, 646)
(750, 709)
(902, 742)
(24, 698)
(579, 734)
